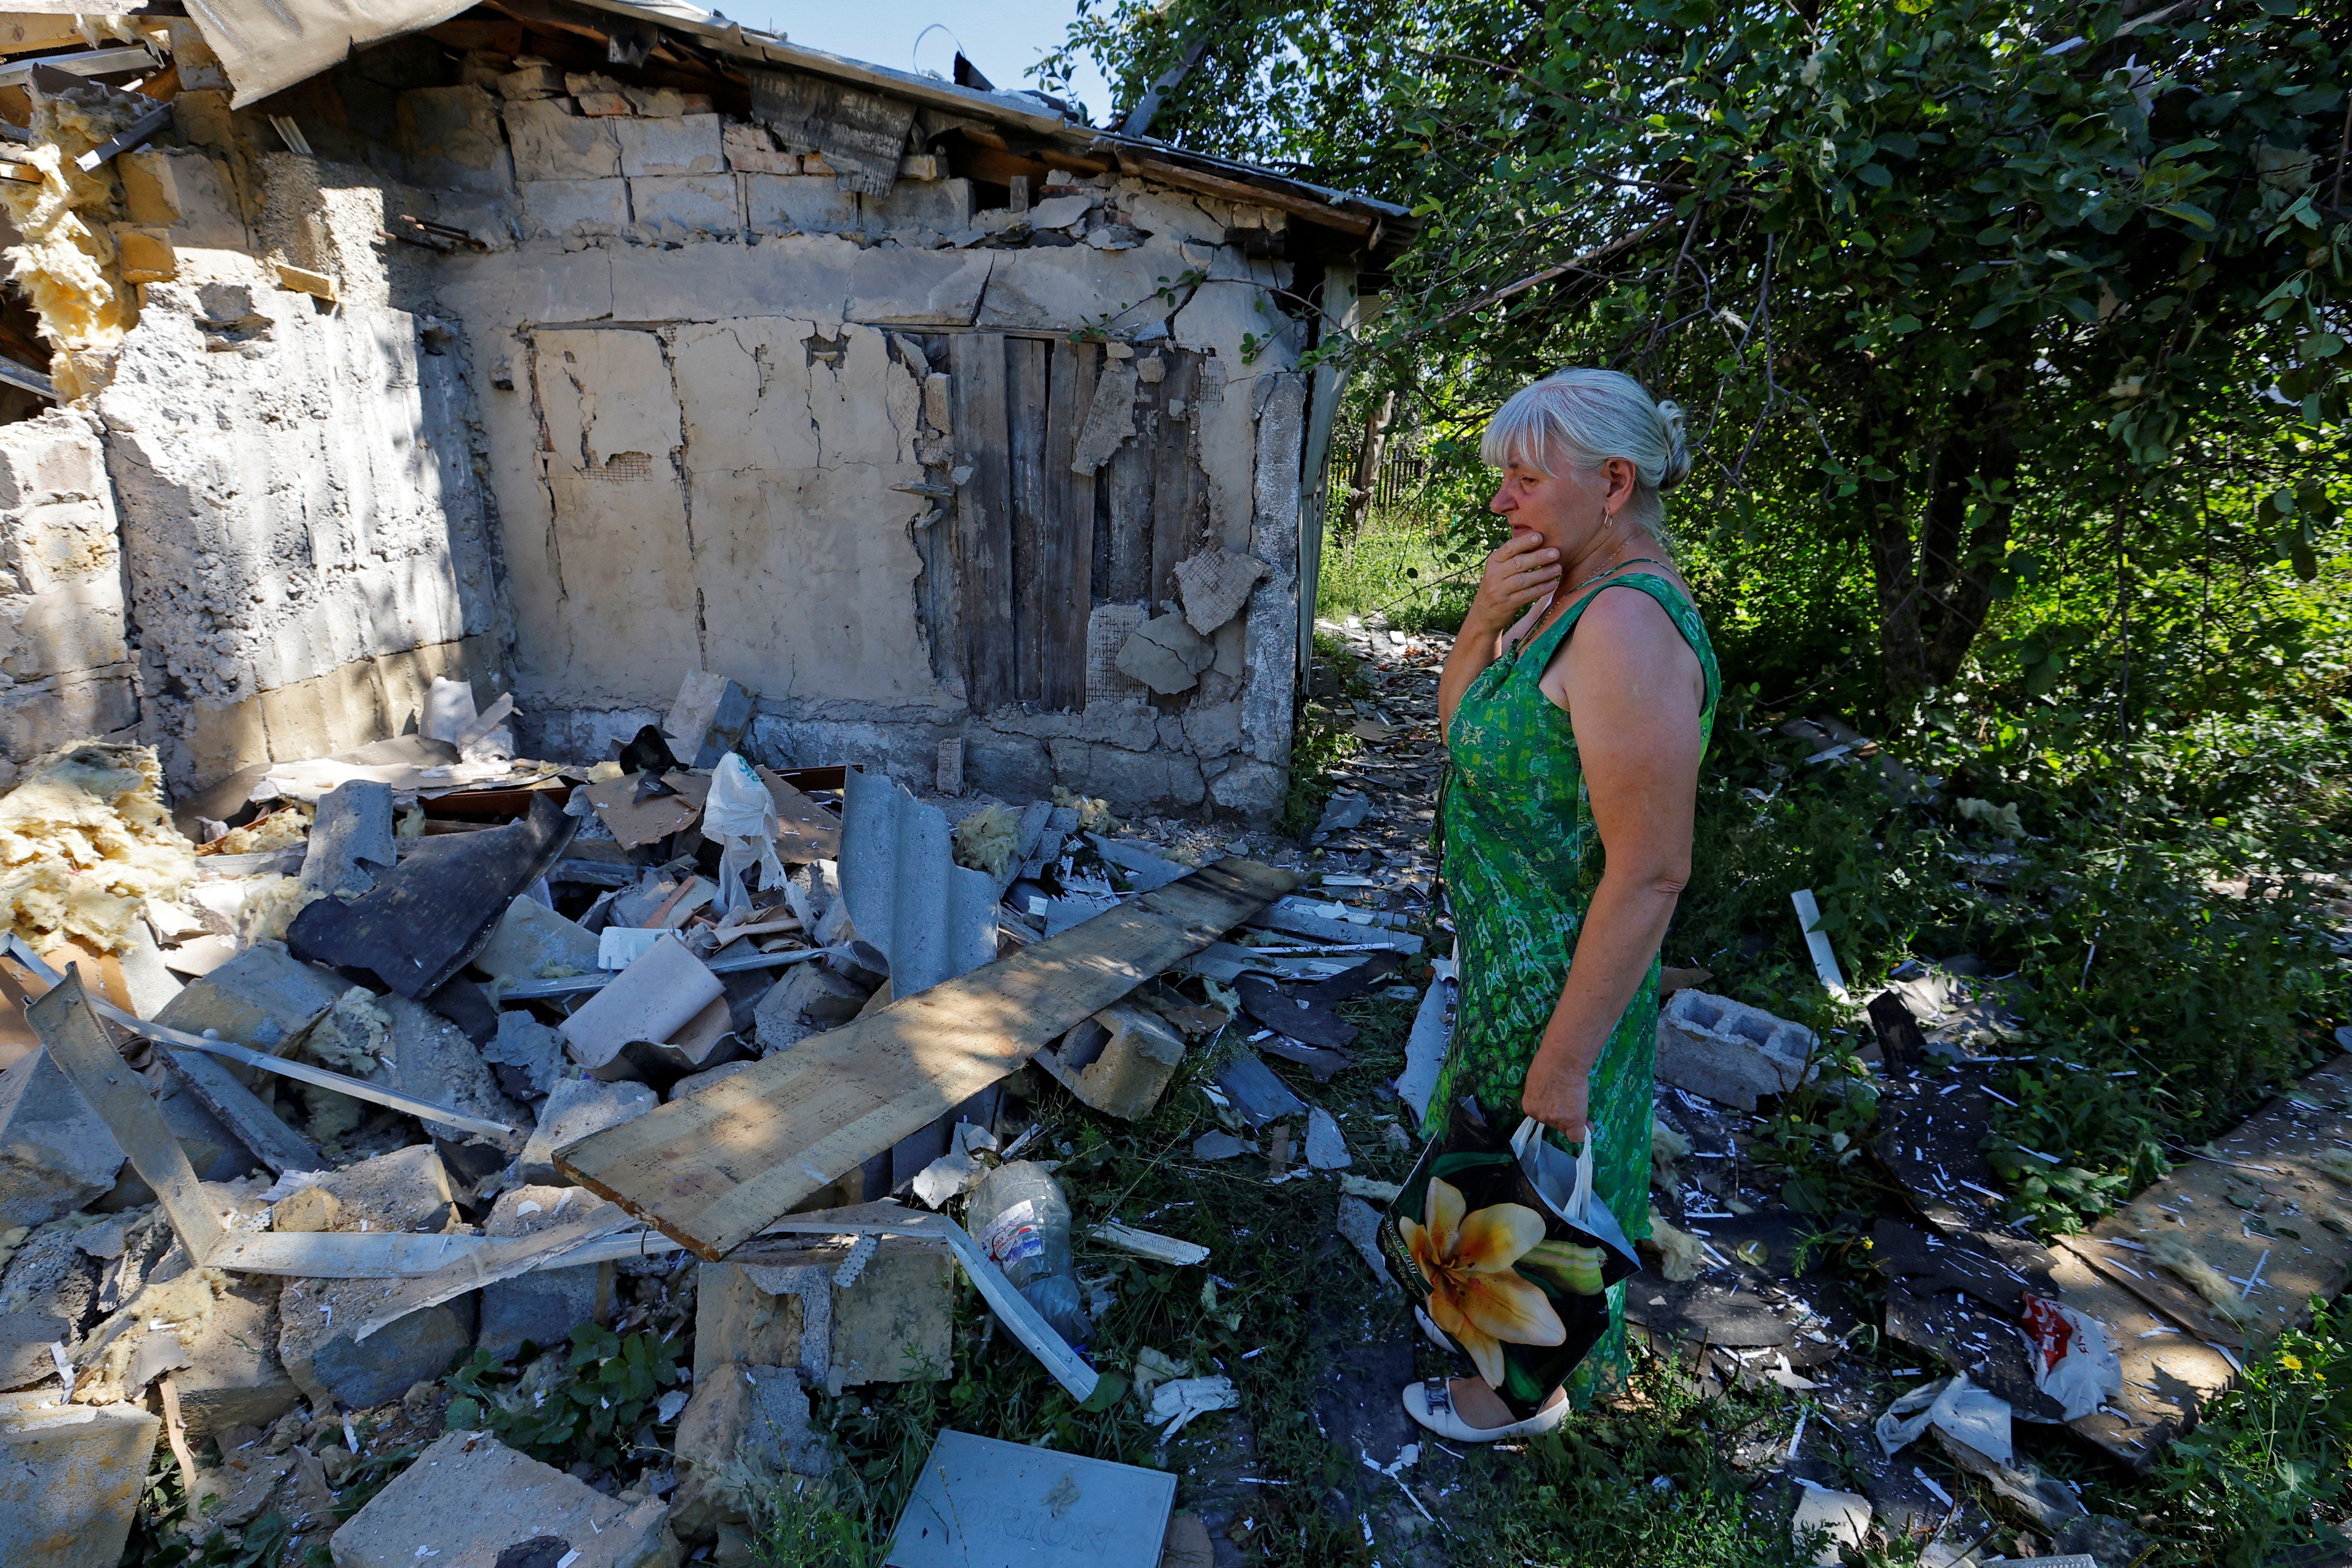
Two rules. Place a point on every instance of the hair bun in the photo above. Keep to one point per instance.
(1679, 459)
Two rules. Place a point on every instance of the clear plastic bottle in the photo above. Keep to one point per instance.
(1022, 1221)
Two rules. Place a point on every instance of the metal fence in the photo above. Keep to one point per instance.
(1401, 475)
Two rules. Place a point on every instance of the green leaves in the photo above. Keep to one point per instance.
(583, 1401)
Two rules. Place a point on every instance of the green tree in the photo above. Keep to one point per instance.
(1962, 283)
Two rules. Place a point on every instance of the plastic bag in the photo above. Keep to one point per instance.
(2075, 1359)
(1956, 1407)
(1504, 1243)
(741, 817)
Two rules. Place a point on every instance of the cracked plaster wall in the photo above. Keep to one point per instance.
(282, 538)
(703, 451)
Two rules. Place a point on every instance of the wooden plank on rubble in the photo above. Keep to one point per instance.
(2259, 1206)
(711, 1169)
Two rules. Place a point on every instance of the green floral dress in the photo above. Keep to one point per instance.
(1521, 861)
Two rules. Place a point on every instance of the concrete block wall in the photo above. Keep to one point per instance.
(668, 410)
(65, 661)
(708, 444)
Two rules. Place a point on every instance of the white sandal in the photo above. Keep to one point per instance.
(1431, 1403)
(1437, 1335)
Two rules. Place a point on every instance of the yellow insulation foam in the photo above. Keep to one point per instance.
(85, 842)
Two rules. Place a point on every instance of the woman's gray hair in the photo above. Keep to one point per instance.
(1583, 418)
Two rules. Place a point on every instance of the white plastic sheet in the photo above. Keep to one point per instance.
(1956, 1407)
(741, 817)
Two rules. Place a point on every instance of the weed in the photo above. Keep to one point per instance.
(587, 1404)
(2250, 1483)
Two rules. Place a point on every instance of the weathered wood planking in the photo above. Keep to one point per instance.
(984, 511)
(2263, 1201)
(1124, 514)
(1179, 495)
(711, 1169)
(1033, 519)
(1066, 552)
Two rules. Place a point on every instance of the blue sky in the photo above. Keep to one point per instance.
(1003, 37)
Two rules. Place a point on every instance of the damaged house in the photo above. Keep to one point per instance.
(568, 348)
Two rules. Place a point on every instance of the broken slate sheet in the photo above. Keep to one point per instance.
(712, 1168)
(425, 921)
(982, 1501)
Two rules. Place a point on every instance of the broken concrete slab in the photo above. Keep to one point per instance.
(56, 1154)
(576, 1107)
(334, 1371)
(261, 998)
(712, 712)
(431, 1058)
(351, 839)
(1215, 584)
(981, 1500)
(70, 1479)
(527, 1056)
(533, 942)
(545, 1305)
(652, 999)
(1166, 655)
(1729, 1052)
(1111, 419)
(745, 1425)
(469, 1500)
(1120, 1061)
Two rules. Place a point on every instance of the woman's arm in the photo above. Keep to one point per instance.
(1634, 691)
(1523, 571)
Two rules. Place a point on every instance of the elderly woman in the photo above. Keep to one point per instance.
(1575, 718)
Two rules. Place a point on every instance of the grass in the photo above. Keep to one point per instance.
(1405, 565)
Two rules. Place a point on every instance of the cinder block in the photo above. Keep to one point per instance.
(49, 458)
(799, 204)
(532, 83)
(545, 1305)
(233, 1377)
(56, 1154)
(750, 149)
(406, 1190)
(687, 144)
(1728, 1052)
(433, 1059)
(550, 142)
(70, 1479)
(469, 1501)
(890, 1324)
(699, 203)
(451, 137)
(941, 204)
(1119, 1061)
(741, 1418)
(333, 1371)
(575, 207)
(575, 1108)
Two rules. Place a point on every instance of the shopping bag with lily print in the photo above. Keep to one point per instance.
(1501, 1240)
